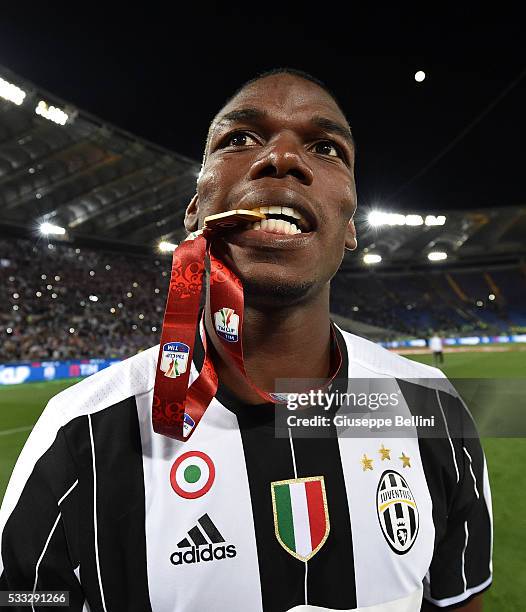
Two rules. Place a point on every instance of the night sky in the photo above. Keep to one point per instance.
(162, 74)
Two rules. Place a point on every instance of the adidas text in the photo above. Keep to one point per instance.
(203, 553)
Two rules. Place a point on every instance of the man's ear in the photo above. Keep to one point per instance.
(350, 236)
(191, 215)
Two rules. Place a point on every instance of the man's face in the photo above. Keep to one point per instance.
(281, 142)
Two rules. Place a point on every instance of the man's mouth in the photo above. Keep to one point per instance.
(281, 220)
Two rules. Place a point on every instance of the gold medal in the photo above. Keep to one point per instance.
(232, 218)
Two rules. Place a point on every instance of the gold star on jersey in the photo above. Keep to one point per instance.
(405, 460)
(367, 463)
(384, 453)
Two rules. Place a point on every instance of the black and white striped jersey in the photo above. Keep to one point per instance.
(238, 519)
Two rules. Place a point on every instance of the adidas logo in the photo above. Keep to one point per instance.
(199, 548)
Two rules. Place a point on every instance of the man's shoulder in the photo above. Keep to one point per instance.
(130, 377)
(379, 361)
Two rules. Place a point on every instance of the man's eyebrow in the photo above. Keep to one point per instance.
(256, 114)
(242, 114)
(333, 126)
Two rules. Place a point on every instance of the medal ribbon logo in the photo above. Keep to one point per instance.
(172, 398)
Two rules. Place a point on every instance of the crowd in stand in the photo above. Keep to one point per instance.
(59, 302)
(419, 305)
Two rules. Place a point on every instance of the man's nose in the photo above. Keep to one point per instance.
(281, 157)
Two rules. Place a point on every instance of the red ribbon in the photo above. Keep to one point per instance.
(178, 408)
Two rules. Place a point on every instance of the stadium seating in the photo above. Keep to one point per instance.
(416, 304)
(60, 302)
(47, 311)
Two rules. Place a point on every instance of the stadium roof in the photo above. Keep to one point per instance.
(61, 165)
(86, 175)
(470, 236)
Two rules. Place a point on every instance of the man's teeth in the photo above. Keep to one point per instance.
(280, 210)
(276, 226)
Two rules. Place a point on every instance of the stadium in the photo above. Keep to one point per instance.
(89, 217)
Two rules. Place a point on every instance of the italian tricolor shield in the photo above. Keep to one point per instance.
(301, 517)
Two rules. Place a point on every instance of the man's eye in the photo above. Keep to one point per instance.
(327, 148)
(240, 139)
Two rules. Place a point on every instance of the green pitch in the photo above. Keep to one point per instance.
(475, 364)
(506, 459)
(21, 405)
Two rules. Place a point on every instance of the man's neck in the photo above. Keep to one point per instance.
(291, 342)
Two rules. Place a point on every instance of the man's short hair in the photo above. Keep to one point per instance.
(284, 70)
(274, 71)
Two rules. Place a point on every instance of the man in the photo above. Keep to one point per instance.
(435, 344)
(237, 518)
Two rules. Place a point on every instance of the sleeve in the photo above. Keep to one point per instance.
(462, 563)
(39, 548)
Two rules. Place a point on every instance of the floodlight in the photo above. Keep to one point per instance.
(11, 93)
(52, 113)
(166, 247)
(431, 220)
(437, 256)
(49, 228)
(414, 220)
(372, 258)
